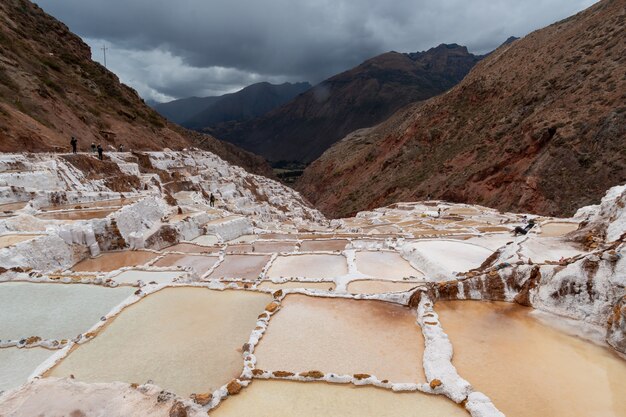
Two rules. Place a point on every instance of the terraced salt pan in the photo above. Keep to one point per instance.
(160, 277)
(323, 245)
(240, 248)
(324, 286)
(54, 311)
(313, 266)
(542, 249)
(343, 336)
(244, 239)
(528, 368)
(13, 206)
(76, 214)
(314, 399)
(206, 240)
(91, 204)
(199, 263)
(385, 265)
(378, 287)
(556, 229)
(191, 248)
(441, 259)
(187, 340)
(16, 365)
(241, 266)
(274, 247)
(10, 240)
(111, 261)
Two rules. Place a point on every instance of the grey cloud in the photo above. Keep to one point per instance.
(196, 47)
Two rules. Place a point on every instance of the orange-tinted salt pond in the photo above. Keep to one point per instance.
(556, 229)
(385, 265)
(241, 266)
(10, 240)
(76, 214)
(239, 248)
(184, 339)
(274, 247)
(530, 369)
(110, 261)
(191, 248)
(343, 336)
(325, 286)
(315, 399)
(309, 266)
(323, 245)
(13, 206)
(199, 263)
(378, 287)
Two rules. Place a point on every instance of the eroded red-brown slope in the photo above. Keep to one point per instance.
(538, 126)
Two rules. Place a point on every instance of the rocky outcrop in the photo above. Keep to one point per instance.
(538, 126)
(616, 332)
(360, 97)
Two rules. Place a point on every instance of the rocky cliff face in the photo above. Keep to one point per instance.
(538, 126)
(363, 96)
(50, 90)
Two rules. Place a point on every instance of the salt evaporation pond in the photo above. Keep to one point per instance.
(556, 229)
(54, 311)
(241, 267)
(76, 214)
(529, 369)
(199, 263)
(274, 247)
(385, 265)
(111, 261)
(309, 266)
(315, 399)
(378, 287)
(343, 336)
(10, 240)
(160, 277)
(324, 286)
(186, 340)
(191, 248)
(16, 365)
(324, 245)
(451, 255)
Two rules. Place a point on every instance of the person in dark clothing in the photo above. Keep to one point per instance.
(93, 148)
(121, 148)
(74, 143)
(519, 230)
(100, 152)
(212, 200)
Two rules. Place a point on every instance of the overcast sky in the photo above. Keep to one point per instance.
(168, 49)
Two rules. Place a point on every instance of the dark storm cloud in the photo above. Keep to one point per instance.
(171, 49)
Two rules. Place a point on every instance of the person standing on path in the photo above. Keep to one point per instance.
(100, 152)
(212, 200)
(74, 143)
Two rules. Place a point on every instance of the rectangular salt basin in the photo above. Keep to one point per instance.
(309, 266)
(16, 365)
(386, 266)
(206, 240)
(111, 261)
(54, 311)
(371, 286)
(556, 229)
(343, 336)
(187, 340)
(241, 267)
(76, 214)
(10, 240)
(191, 248)
(199, 263)
(323, 245)
(324, 286)
(529, 369)
(315, 399)
(274, 247)
(240, 248)
(160, 277)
